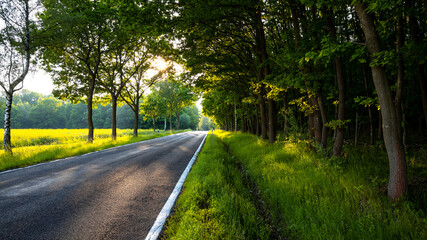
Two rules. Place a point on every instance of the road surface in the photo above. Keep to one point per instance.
(111, 194)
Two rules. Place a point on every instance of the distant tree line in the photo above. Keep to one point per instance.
(33, 110)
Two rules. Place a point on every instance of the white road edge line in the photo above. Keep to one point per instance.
(89, 153)
(157, 227)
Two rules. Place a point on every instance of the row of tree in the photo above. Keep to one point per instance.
(96, 51)
(327, 68)
(33, 110)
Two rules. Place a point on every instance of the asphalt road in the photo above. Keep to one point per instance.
(111, 194)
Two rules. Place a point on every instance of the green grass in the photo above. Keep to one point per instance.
(309, 196)
(215, 203)
(315, 197)
(64, 143)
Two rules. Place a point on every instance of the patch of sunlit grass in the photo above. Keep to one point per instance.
(214, 203)
(317, 197)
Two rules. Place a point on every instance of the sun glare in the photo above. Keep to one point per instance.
(159, 64)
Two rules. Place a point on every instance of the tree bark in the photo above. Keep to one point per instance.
(272, 119)
(257, 132)
(135, 123)
(177, 120)
(324, 120)
(89, 113)
(285, 116)
(339, 140)
(397, 185)
(165, 125)
(400, 74)
(114, 117)
(170, 122)
(414, 30)
(7, 115)
(315, 119)
(261, 102)
(371, 121)
(339, 72)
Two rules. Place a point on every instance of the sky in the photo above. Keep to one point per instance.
(41, 82)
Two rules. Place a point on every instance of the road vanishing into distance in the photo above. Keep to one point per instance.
(112, 194)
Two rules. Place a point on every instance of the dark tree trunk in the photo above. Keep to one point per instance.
(317, 129)
(272, 120)
(177, 120)
(371, 121)
(135, 123)
(397, 185)
(114, 117)
(154, 125)
(170, 122)
(257, 132)
(417, 37)
(339, 140)
(7, 115)
(285, 116)
(400, 74)
(262, 113)
(89, 113)
(339, 71)
(324, 120)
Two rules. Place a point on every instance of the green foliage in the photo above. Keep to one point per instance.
(334, 124)
(367, 101)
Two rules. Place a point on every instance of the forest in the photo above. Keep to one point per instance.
(33, 110)
(342, 76)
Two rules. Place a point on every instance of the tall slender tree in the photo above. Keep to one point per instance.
(17, 44)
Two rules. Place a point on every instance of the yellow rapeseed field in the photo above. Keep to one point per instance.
(32, 146)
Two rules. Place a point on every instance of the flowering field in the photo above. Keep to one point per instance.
(31, 146)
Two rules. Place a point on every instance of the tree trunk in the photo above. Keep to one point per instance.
(397, 185)
(263, 117)
(315, 119)
(89, 114)
(272, 119)
(114, 118)
(257, 132)
(339, 140)
(339, 71)
(135, 123)
(170, 121)
(371, 121)
(154, 125)
(356, 130)
(414, 29)
(177, 120)
(324, 120)
(165, 125)
(400, 75)
(7, 115)
(235, 118)
(285, 116)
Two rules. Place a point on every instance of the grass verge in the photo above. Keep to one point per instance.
(29, 155)
(307, 195)
(316, 197)
(214, 203)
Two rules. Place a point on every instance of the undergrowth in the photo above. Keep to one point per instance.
(308, 195)
(316, 197)
(68, 144)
